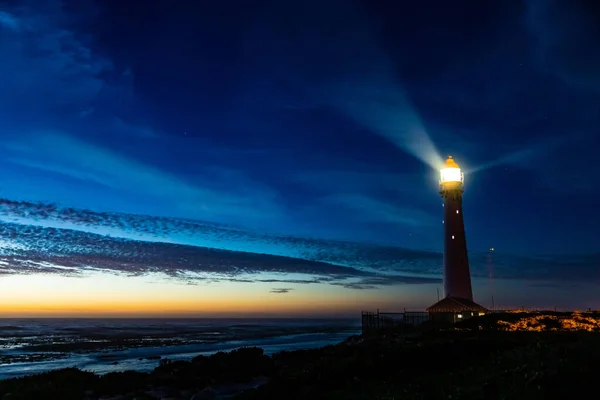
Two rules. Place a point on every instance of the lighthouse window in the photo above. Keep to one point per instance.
(452, 236)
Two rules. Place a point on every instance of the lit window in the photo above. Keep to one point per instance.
(457, 211)
(459, 316)
(480, 314)
(452, 236)
(451, 175)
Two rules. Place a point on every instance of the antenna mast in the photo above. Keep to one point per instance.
(491, 274)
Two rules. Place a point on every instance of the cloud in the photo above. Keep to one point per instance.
(9, 21)
(295, 281)
(33, 249)
(75, 158)
(46, 70)
(66, 110)
(66, 155)
(375, 282)
(43, 238)
(281, 290)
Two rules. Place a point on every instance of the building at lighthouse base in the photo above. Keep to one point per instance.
(454, 309)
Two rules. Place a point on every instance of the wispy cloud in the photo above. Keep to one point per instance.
(45, 69)
(66, 108)
(41, 238)
(375, 282)
(62, 154)
(63, 121)
(9, 21)
(73, 253)
(281, 290)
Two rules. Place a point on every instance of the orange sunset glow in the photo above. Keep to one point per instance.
(111, 295)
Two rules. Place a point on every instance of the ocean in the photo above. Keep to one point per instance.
(30, 346)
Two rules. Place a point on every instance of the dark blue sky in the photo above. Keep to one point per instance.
(322, 119)
(303, 108)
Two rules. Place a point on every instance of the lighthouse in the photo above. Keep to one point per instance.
(458, 301)
(457, 277)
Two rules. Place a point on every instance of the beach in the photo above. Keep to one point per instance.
(30, 346)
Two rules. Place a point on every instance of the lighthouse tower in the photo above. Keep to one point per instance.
(457, 277)
(458, 303)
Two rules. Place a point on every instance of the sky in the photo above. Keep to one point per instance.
(259, 157)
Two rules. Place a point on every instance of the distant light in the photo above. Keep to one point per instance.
(457, 211)
(481, 313)
(459, 315)
(491, 249)
(452, 236)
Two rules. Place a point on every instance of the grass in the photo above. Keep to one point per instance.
(511, 356)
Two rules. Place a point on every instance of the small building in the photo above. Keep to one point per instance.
(454, 309)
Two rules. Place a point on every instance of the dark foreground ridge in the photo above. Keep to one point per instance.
(510, 356)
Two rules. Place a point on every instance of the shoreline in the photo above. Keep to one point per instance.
(511, 356)
(145, 359)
